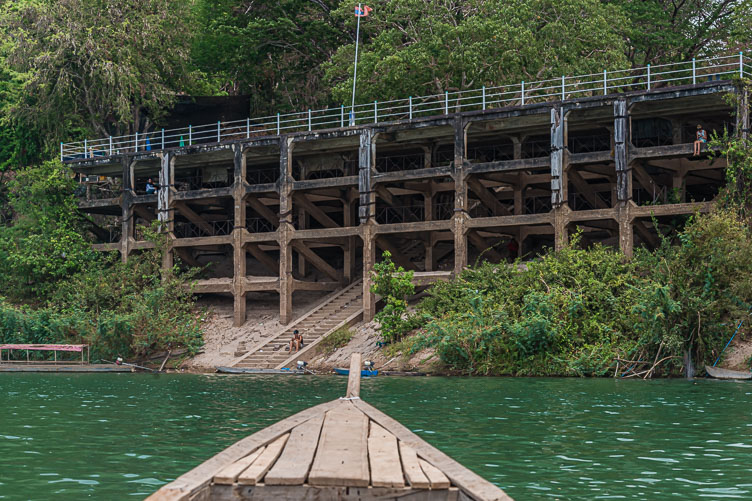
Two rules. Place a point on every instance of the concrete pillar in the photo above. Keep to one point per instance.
(285, 230)
(626, 233)
(238, 232)
(559, 184)
(164, 206)
(519, 194)
(623, 177)
(742, 113)
(517, 147)
(460, 196)
(302, 225)
(349, 247)
(126, 238)
(428, 216)
(367, 216)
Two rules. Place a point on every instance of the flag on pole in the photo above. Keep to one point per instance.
(362, 11)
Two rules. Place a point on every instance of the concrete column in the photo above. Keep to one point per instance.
(238, 232)
(349, 247)
(623, 177)
(460, 196)
(519, 194)
(367, 216)
(626, 233)
(302, 225)
(164, 206)
(517, 147)
(285, 230)
(126, 238)
(742, 113)
(559, 184)
(428, 216)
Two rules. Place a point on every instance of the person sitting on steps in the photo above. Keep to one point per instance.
(150, 187)
(297, 341)
(702, 137)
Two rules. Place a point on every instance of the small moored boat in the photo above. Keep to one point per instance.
(341, 450)
(718, 373)
(363, 372)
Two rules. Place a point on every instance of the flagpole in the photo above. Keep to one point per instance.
(355, 73)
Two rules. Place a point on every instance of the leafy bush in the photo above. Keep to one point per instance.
(394, 285)
(574, 312)
(335, 340)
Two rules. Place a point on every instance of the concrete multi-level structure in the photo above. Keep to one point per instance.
(311, 210)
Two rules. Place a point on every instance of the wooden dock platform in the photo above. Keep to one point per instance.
(67, 368)
(341, 450)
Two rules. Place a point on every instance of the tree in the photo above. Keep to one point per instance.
(417, 47)
(663, 31)
(270, 49)
(108, 66)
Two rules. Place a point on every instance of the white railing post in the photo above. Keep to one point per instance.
(110, 145)
(563, 93)
(741, 64)
(446, 102)
(523, 93)
(694, 71)
(375, 112)
(410, 108)
(605, 83)
(86, 148)
(484, 97)
(648, 76)
(61, 151)
(342, 115)
(135, 145)
(219, 133)
(279, 130)
(190, 135)
(309, 119)
(248, 128)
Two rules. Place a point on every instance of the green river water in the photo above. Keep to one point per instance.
(116, 435)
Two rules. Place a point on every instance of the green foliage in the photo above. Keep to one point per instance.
(335, 340)
(44, 245)
(412, 47)
(110, 66)
(574, 312)
(394, 285)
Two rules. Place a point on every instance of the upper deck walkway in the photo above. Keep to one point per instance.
(413, 111)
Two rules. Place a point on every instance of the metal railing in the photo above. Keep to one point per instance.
(554, 89)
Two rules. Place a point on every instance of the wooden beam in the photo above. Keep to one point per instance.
(318, 214)
(317, 261)
(645, 234)
(144, 213)
(263, 210)
(487, 198)
(262, 257)
(193, 217)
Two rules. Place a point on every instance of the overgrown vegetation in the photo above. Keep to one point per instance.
(58, 290)
(335, 341)
(394, 285)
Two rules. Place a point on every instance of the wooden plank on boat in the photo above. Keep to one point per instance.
(413, 472)
(342, 456)
(437, 479)
(197, 479)
(266, 459)
(469, 482)
(719, 373)
(353, 381)
(383, 456)
(310, 493)
(292, 466)
(229, 474)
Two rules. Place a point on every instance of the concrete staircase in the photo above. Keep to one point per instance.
(341, 308)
